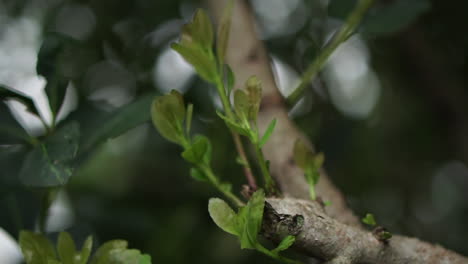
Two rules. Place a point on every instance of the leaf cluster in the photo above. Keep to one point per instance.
(37, 249)
(310, 163)
(246, 224)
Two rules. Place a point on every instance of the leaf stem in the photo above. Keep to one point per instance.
(214, 180)
(341, 36)
(269, 183)
(278, 257)
(237, 141)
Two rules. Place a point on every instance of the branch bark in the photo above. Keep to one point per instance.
(332, 233)
(323, 237)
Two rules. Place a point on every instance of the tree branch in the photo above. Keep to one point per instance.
(320, 236)
(332, 233)
(247, 56)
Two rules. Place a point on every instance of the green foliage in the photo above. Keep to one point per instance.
(168, 114)
(117, 122)
(309, 163)
(50, 163)
(196, 44)
(246, 224)
(223, 34)
(369, 220)
(268, 132)
(379, 232)
(37, 249)
(199, 152)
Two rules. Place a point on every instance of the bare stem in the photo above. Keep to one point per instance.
(341, 36)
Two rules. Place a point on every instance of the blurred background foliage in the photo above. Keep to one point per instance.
(389, 111)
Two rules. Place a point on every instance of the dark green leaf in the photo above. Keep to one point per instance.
(369, 220)
(11, 132)
(53, 47)
(55, 89)
(287, 242)
(66, 248)
(223, 216)
(116, 123)
(223, 32)
(199, 152)
(52, 61)
(11, 158)
(10, 93)
(36, 248)
(268, 132)
(201, 62)
(51, 163)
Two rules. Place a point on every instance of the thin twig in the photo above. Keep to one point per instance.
(341, 36)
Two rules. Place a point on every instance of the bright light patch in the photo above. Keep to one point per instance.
(10, 252)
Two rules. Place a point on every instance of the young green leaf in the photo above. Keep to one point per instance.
(66, 248)
(254, 93)
(102, 255)
(309, 163)
(198, 175)
(201, 62)
(223, 216)
(230, 79)
(287, 242)
(168, 113)
(233, 125)
(241, 105)
(225, 187)
(250, 220)
(223, 32)
(268, 132)
(36, 248)
(126, 256)
(202, 29)
(199, 152)
(303, 156)
(83, 256)
(369, 220)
